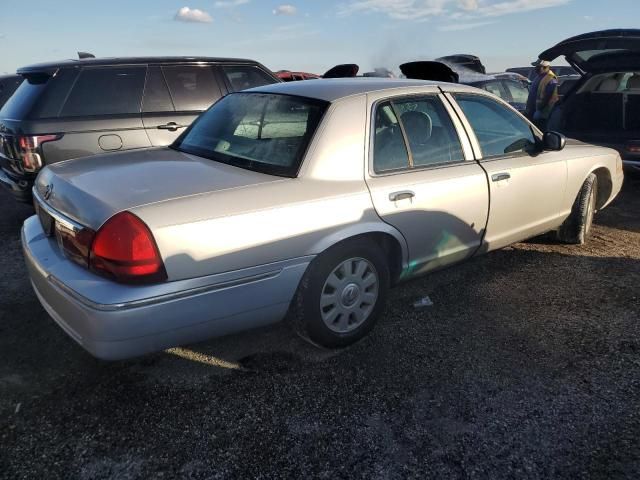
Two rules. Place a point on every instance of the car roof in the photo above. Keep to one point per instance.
(107, 61)
(333, 89)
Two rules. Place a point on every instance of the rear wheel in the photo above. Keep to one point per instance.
(577, 227)
(342, 294)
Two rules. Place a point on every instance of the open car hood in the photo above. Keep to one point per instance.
(465, 60)
(346, 70)
(599, 51)
(427, 70)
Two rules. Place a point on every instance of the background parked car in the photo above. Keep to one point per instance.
(76, 108)
(512, 92)
(603, 107)
(289, 76)
(8, 85)
(465, 60)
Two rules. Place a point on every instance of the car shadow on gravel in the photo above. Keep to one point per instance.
(526, 365)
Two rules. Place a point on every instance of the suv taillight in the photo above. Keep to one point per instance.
(29, 150)
(124, 250)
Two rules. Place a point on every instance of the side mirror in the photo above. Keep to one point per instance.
(554, 141)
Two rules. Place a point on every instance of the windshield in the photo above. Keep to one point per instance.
(268, 133)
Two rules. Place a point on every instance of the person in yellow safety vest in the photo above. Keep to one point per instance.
(543, 94)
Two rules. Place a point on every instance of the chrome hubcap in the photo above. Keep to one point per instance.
(349, 295)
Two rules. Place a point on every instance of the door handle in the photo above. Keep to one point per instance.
(403, 195)
(496, 177)
(171, 126)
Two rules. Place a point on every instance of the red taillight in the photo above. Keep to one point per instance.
(633, 147)
(124, 250)
(29, 150)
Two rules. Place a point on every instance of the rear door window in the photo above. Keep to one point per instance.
(242, 77)
(192, 87)
(499, 130)
(427, 127)
(106, 91)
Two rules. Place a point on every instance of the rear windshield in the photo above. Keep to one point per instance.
(263, 132)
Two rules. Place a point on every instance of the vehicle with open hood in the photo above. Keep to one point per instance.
(514, 92)
(302, 199)
(603, 106)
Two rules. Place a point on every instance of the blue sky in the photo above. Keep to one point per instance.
(308, 35)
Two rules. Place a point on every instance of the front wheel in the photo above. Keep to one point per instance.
(577, 227)
(342, 294)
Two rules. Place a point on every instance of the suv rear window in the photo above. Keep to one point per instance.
(40, 95)
(263, 132)
(242, 77)
(106, 91)
(192, 87)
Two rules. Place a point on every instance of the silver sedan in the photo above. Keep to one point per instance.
(305, 200)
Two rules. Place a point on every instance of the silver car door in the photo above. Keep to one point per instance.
(424, 181)
(526, 185)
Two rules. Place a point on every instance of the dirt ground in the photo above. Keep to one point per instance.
(526, 366)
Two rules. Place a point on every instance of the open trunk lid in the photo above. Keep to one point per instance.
(599, 51)
(91, 190)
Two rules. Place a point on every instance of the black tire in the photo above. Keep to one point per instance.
(577, 227)
(306, 313)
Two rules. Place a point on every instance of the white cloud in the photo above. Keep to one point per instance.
(469, 4)
(230, 3)
(285, 9)
(424, 9)
(186, 14)
(517, 6)
(457, 27)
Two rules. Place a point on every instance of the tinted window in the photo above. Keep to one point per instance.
(263, 132)
(192, 87)
(156, 93)
(499, 129)
(518, 92)
(242, 77)
(389, 149)
(106, 91)
(40, 95)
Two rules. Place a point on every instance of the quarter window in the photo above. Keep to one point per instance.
(427, 127)
(499, 130)
(192, 87)
(106, 91)
(242, 77)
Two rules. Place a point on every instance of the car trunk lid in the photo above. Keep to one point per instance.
(91, 190)
(599, 51)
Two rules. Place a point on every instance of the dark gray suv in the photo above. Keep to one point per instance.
(77, 108)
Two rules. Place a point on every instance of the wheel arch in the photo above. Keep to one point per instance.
(390, 240)
(605, 185)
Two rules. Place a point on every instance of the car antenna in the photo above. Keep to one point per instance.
(83, 55)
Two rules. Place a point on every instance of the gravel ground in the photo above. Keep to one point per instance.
(527, 366)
